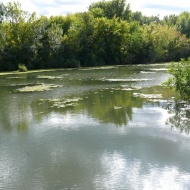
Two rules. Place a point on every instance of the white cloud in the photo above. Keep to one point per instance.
(58, 7)
(160, 7)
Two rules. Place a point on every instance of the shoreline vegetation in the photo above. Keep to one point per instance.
(180, 78)
(109, 33)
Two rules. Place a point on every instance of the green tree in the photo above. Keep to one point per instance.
(161, 42)
(170, 20)
(70, 48)
(86, 30)
(183, 23)
(138, 16)
(109, 33)
(111, 39)
(109, 9)
(16, 47)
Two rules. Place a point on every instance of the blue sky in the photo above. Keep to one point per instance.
(58, 7)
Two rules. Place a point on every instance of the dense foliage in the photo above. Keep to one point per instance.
(180, 79)
(108, 33)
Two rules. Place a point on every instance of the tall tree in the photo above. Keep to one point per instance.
(183, 23)
(109, 9)
(170, 20)
(19, 36)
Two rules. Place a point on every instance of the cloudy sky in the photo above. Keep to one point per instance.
(58, 7)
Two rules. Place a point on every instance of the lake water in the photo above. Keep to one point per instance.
(104, 128)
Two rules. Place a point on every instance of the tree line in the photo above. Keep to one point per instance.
(109, 33)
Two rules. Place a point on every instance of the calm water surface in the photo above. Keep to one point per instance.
(107, 128)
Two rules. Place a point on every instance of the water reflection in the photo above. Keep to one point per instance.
(111, 106)
(179, 116)
(16, 114)
(122, 173)
(114, 106)
(71, 141)
(106, 106)
(104, 101)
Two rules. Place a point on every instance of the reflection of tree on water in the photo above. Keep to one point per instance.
(111, 107)
(107, 106)
(180, 116)
(16, 114)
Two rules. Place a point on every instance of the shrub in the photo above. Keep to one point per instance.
(22, 68)
(180, 79)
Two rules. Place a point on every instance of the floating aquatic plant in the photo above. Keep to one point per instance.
(62, 103)
(147, 72)
(127, 88)
(98, 68)
(117, 107)
(15, 77)
(148, 96)
(37, 88)
(125, 80)
(161, 69)
(49, 77)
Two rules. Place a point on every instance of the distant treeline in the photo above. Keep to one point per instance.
(109, 33)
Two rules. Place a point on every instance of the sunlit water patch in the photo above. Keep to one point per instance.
(120, 172)
(69, 121)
